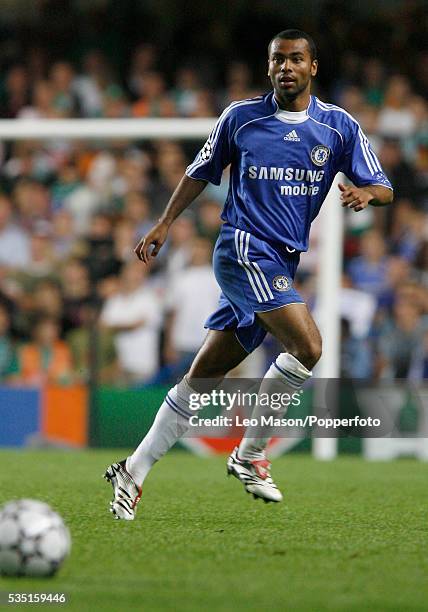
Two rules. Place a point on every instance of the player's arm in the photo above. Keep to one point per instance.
(208, 166)
(362, 167)
(187, 190)
(359, 198)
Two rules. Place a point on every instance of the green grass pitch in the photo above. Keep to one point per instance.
(350, 535)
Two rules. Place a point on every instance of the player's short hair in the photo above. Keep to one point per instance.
(294, 35)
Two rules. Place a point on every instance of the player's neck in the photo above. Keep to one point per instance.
(295, 105)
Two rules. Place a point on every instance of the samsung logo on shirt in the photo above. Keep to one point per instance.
(273, 173)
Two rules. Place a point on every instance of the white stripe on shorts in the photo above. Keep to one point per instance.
(262, 292)
(241, 263)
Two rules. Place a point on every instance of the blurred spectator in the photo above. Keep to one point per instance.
(178, 247)
(47, 299)
(46, 358)
(107, 287)
(209, 221)
(396, 117)
(41, 264)
(399, 171)
(132, 173)
(134, 314)
(143, 62)
(63, 237)
(98, 253)
(80, 341)
(15, 94)
(42, 259)
(76, 291)
(67, 181)
(41, 105)
(94, 83)
(82, 203)
(204, 105)
(368, 272)
(421, 263)
(42, 297)
(37, 61)
(356, 358)
(357, 308)
(419, 369)
(14, 241)
(187, 87)
(136, 210)
(238, 83)
(171, 163)
(154, 101)
(64, 100)
(400, 341)
(352, 98)
(29, 161)
(373, 81)
(397, 274)
(408, 230)
(186, 315)
(8, 359)
(32, 201)
(124, 241)
(115, 103)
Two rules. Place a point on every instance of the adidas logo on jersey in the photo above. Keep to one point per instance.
(292, 136)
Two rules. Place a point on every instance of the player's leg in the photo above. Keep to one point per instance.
(296, 330)
(220, 353)
(294, 327)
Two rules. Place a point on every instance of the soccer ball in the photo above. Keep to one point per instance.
(33, 539)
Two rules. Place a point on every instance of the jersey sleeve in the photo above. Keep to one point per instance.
(359, 162)
(216, 153)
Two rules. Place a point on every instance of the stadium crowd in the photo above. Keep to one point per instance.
(71, 288)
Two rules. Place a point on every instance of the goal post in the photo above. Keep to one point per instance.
(328, 303)
(330, 265)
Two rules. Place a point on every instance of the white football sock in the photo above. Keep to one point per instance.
(171, 422)
(286, 375)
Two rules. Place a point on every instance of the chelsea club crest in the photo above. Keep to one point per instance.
(281, 283)
(320, 154)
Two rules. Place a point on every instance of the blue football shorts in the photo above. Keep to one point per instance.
(254, 277)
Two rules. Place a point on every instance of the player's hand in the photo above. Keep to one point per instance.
(156, 236)
(354, 197)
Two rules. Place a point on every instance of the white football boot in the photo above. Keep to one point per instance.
(126, 493)
(255, 476)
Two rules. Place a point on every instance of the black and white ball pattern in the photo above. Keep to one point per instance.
(33, 539)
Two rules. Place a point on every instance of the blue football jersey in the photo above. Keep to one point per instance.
(282, 165)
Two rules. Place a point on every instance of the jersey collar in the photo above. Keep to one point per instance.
(288, 116)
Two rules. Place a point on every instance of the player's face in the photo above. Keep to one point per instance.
(291, 67)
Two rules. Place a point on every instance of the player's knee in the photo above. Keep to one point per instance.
(309, 352)
(206, 370)
(314, 351)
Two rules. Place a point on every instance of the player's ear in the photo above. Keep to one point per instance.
(314, 67)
